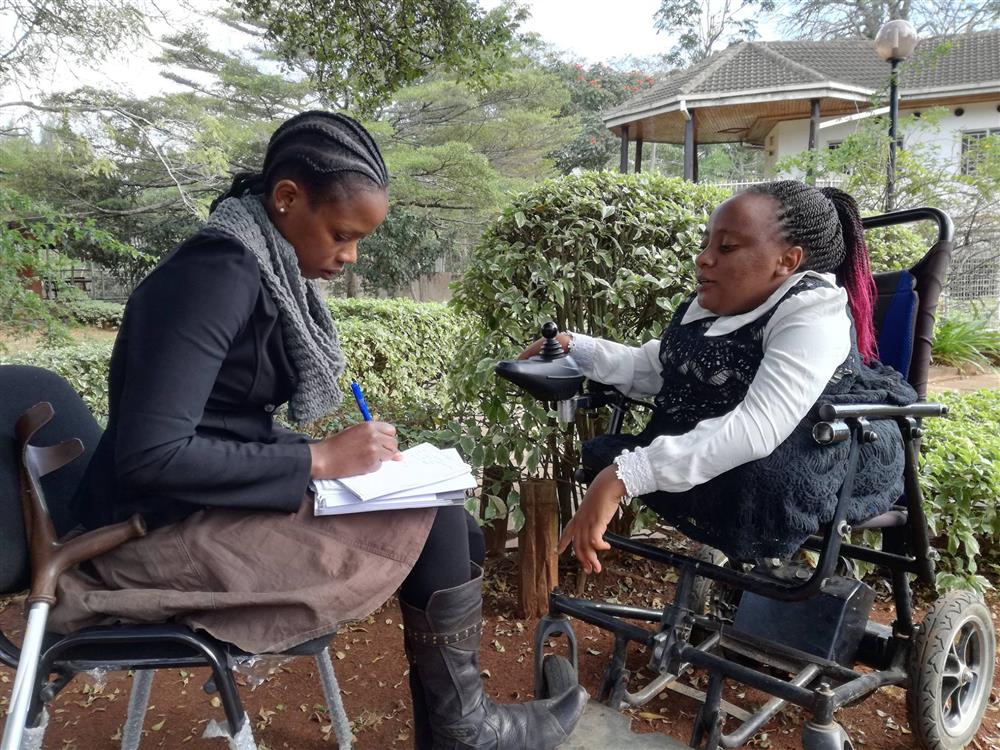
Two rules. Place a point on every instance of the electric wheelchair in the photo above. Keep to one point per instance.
(800, 633)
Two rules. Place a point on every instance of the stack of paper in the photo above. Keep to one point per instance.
(426, 477)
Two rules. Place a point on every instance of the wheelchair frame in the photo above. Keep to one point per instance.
(820, 685)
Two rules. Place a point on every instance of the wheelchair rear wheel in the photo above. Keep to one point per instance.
(558, 676)
(951, 672)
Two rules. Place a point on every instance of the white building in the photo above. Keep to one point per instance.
(778, 96)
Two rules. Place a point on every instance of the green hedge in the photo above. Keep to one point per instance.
(89, 312)
(961, 471)
(399, 350)
(85, 366)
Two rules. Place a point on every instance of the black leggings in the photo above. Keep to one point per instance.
(454, 540)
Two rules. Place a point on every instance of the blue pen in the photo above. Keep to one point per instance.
(360, 398)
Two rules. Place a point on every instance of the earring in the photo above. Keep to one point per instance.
(282, 210)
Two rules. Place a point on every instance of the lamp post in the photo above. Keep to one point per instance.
(894, 42)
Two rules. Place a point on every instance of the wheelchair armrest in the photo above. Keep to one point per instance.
(919, 410)
(597, 394)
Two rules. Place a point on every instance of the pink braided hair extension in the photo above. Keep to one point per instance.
(855, 274)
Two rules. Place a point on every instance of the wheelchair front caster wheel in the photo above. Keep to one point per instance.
(825, 737)
(951, 672)
(558, 676)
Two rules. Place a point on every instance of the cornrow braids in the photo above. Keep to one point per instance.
(826, 223)
(323, 150)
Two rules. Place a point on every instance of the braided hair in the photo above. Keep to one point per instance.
(826, 223)
(326, 152)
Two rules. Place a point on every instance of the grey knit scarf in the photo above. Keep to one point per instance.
(310, 336)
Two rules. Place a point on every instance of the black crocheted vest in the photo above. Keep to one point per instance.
(708, 376)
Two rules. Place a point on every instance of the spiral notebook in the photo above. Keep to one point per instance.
(426, 477)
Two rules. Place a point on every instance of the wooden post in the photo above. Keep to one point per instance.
(638, 155)
(691, 148)
(623, 164)
(538, 563)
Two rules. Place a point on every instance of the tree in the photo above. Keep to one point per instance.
(594, 89)
(43, 30)
(830, 19)
(702, 25)
(358, 52)
(404, 248)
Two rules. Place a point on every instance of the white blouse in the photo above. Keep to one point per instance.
(804, 342)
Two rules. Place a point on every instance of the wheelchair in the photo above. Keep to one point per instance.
(800, 634)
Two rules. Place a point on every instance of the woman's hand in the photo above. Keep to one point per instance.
(536, 346)
(357, 450)
(586, 529)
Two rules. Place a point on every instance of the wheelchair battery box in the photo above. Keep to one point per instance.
(829, 625)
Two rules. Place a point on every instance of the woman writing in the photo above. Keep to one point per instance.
(782, 318)
(228, 326)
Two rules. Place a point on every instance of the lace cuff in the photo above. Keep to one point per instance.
(582, 347)
(635, 470)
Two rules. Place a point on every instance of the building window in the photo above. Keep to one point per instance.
(833, 145)
(970, 152)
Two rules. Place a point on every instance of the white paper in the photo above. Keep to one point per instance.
(348, 502)
(421, 466)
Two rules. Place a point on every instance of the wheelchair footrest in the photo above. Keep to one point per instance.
(602, 727)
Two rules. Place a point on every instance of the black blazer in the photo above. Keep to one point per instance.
(198, 368)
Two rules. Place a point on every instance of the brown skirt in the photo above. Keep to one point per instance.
(262, 581)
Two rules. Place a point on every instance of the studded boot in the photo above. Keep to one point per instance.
(442, 645)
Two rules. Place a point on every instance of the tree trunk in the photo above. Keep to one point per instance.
(352, 283)
(538, 565)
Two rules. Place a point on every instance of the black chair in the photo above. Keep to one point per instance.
(750, 621)
(48, 412)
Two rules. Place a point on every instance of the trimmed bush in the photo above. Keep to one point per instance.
(892, 248)
(89, 312)
(85, 367)
(400, 351)
(601, 253)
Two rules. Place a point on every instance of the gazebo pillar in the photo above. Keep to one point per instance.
(813, 136)
(623, 165)
(638, 155)
(690, 147)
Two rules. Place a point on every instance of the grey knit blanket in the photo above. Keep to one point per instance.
(311, 339)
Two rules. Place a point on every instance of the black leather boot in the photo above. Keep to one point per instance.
(422, 737)
(442, 644)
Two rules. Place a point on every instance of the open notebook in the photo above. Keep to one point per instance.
(427, 476)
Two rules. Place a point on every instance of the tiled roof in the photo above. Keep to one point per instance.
(847, 63)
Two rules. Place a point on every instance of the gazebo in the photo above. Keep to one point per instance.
(740, 94)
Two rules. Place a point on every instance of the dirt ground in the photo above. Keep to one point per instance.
(287, 708)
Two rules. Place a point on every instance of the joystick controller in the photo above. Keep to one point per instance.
(551, 375)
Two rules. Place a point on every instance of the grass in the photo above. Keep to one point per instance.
(962, 342)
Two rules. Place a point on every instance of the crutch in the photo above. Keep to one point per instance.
(49, 558)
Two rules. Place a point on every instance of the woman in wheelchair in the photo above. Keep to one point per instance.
(228, 326)
(782, 319)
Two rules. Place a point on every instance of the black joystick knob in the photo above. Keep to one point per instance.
(551, 349)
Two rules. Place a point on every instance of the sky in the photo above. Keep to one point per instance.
(590, 30)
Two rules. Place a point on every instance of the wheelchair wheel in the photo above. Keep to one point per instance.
(703, 590)
(951, 672)
(558, 675)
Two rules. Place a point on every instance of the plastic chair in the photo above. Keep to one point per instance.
(42, 461)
